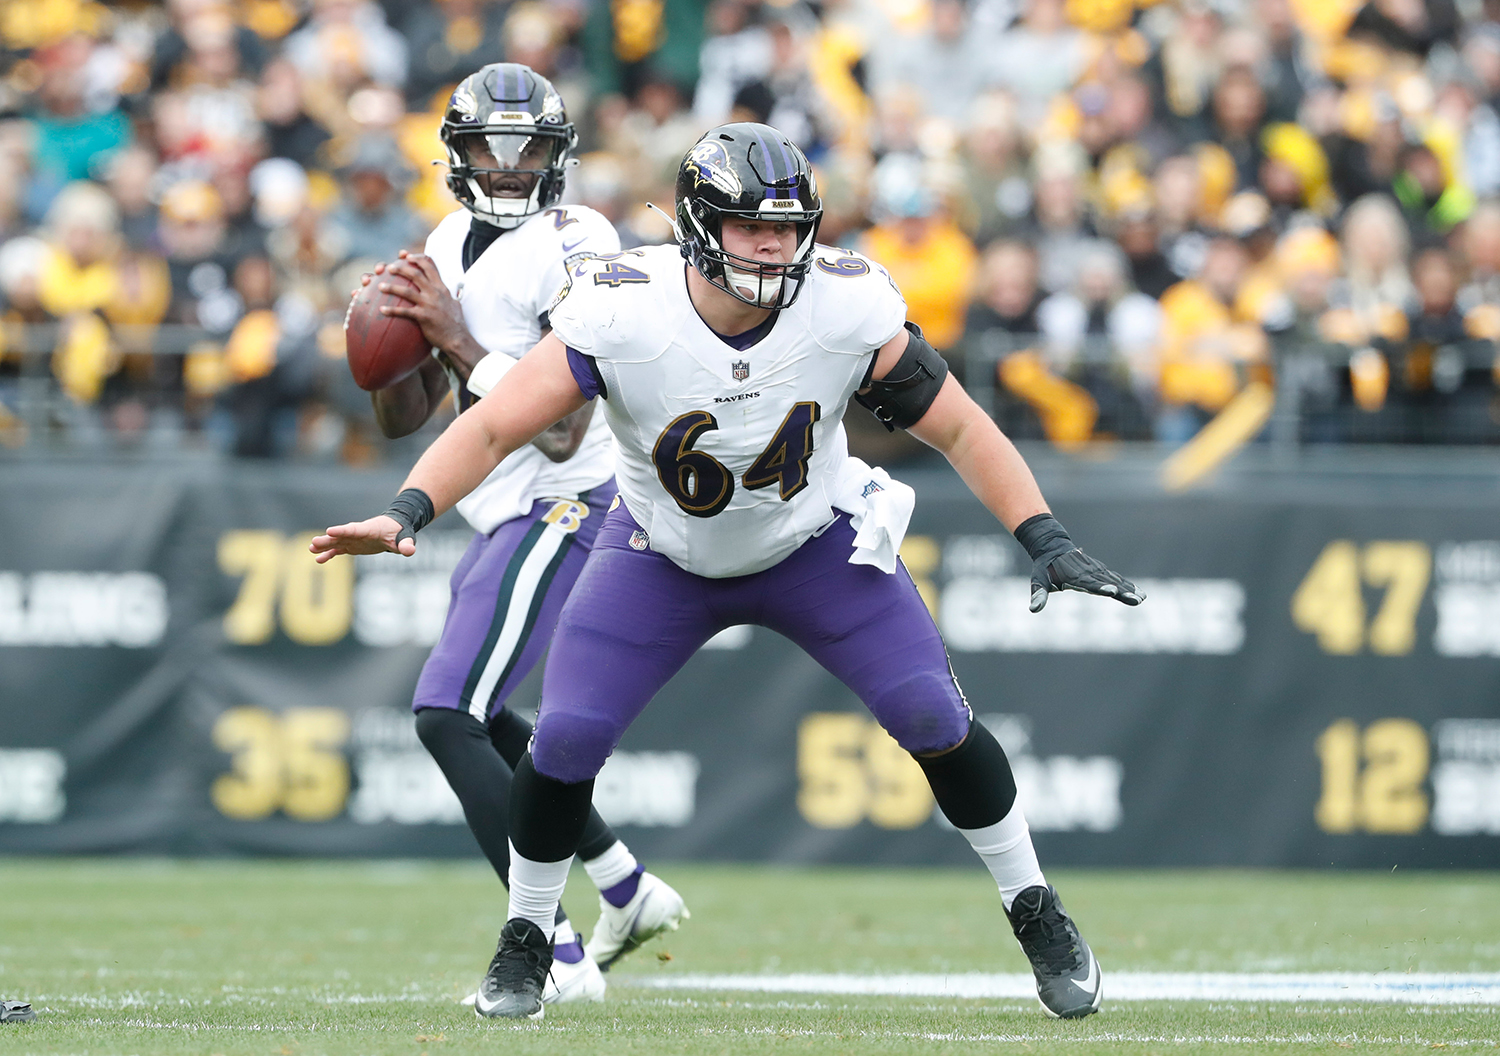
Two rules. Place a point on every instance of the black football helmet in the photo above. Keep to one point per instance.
(509, 140)
(747, 170)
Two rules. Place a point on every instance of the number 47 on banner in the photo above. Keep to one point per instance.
(1330, 601)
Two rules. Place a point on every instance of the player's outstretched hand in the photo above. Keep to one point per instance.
(1058, 564)
(1076, 570)
(374, 536)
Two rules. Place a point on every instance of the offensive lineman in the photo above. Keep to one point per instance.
(725, 391)
(481, 294)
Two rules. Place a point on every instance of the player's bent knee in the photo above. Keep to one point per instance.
(510, 734)
(571, 746)
(924, 715)
(439, 728)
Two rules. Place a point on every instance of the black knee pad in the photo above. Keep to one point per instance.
(973, 783)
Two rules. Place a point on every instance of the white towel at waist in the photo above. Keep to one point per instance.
(879, 509)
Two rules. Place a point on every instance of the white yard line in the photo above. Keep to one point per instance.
(1091, 1037)
(1426, 988)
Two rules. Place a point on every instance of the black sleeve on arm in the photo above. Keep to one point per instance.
(903, 396)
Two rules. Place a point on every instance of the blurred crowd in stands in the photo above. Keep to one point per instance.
(1116, 217)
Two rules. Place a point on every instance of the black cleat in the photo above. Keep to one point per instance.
(512, 988)
(1067, 973)
(16, 1012)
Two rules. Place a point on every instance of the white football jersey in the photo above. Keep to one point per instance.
(730, 460)
(504, 295)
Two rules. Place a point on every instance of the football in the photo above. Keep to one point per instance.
(382, 349)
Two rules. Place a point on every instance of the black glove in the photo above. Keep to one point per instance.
(1057, 564)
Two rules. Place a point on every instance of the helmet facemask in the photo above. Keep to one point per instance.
(764, 284)
(507, 173)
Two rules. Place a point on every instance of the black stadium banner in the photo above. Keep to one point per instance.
(1314, 680)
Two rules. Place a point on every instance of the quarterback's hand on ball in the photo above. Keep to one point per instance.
(374, 536)
(430, 306)
(1058, 564)
(367, 278)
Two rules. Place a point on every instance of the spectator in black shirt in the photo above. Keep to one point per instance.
(1001, 322)
(191, 23)
(449, 40)
(1138, 236)
(289, 132)
(1412, 26)
(1239, 111)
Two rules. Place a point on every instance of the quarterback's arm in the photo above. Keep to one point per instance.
(561, 441)
(538, 391)
(402, 408)
(583, 232)
(997, 474)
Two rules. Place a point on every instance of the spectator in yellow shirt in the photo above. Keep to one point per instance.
(1206, 353)
(930, 259)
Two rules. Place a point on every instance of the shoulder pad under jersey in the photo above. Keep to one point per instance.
(445, 245)
(624, 307)
(852, 305)
(570, 232)
(556, 238)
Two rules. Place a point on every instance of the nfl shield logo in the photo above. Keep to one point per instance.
(639, 540)
(741, 369)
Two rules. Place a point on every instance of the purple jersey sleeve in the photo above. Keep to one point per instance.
(586, 374)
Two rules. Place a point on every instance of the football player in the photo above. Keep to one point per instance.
(480, 293)
(724, 381)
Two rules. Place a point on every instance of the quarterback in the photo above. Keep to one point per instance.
(480, 292)
(724, 380)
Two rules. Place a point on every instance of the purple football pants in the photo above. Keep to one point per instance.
(508, 590)
(634, 618)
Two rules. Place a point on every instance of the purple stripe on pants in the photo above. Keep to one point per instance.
(635, 618)
(507, 592)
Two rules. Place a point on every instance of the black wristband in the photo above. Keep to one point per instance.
(1042, 535)
(412, 510)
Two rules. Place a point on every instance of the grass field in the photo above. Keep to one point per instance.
(293, 959)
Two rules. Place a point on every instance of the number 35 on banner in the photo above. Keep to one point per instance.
(315, 602)
(292, 762)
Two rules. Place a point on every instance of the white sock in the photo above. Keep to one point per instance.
(536, 889)
(564, 934)
(611, 867)
(1006, 850)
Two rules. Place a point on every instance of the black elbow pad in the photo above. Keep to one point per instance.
(903, 396)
